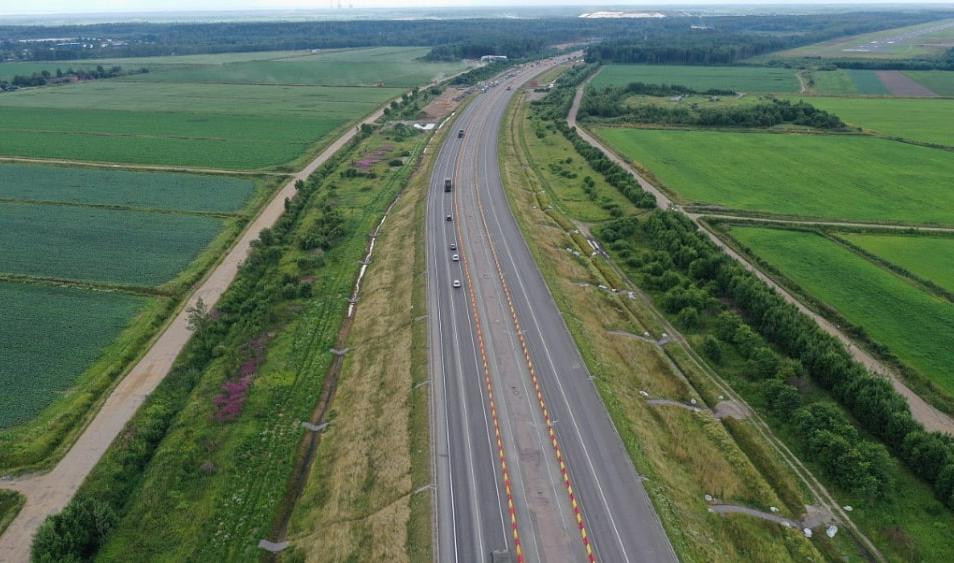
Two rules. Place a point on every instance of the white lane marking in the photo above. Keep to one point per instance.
(473, 329)
(510, 434)
(439, 352)
(534, 408)
(559, 382)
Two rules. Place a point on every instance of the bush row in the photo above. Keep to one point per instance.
(679, 247)
(243, 312)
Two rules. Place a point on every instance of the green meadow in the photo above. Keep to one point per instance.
(838, 177)
(926, 120)
(739, 78)
(36, 323)
(915, 325)
(927, 257)
(127, 188)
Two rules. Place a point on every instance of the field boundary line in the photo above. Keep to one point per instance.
(140, 167)
(112, 207)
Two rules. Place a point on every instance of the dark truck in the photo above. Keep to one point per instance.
(448, 185)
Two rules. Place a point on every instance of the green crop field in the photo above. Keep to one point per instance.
(148, 190)
(845, 177)
(927, 257)
(941, 82)
(391, 67)
(177, 114)
(928, 120)
(100, 245)
(739, 78)
(37, 321)
(177, 139)
(913, 324)
(848, 82)
(204, 99)
(922, 40)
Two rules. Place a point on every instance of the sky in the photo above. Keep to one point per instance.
(16, 7)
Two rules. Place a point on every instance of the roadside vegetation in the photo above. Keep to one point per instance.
(10, 504)
(366, 497)
(202, 469)
(856, 431)
(684, 455)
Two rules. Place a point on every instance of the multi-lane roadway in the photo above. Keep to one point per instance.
(528, 463)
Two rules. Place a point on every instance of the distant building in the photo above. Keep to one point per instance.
(492, 58)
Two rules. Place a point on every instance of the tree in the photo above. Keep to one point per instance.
(712, 349)
(74, 534)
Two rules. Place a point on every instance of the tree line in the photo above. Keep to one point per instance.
(45, 77)
(610, 104)
(726, 40)
(781, 343)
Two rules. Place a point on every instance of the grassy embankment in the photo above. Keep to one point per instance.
(366, 497)
(214, 482)
(10, 504)
(684, 455)
(108, 299)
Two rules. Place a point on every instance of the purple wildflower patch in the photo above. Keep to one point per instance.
(230, 401)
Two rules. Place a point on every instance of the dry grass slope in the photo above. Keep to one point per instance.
(358, 501)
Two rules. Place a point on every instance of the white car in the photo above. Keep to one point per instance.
(455, 258)
(456, 283)
(453, 246)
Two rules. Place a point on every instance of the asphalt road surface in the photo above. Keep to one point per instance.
(516, 415)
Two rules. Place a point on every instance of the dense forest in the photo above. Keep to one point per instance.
(673, 39)
(610, 105)
(730, 39)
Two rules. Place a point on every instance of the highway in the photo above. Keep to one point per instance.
(528, 464)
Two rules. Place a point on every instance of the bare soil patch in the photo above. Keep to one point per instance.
(443, 104)
(900, 85)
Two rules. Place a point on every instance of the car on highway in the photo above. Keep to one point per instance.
(453, 246)
(449, 218)
(456, 283)
(460, 133)
(448, 184)
(456, 258)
